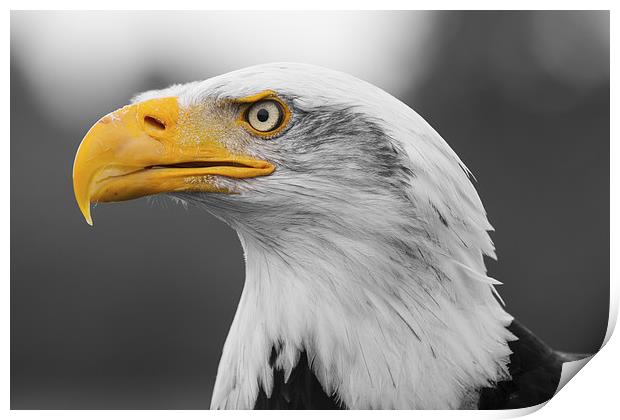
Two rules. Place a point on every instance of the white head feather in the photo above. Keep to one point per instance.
(365, 249)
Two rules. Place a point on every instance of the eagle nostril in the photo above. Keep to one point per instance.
(153, 123)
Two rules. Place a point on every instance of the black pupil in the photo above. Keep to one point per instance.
(262, 115)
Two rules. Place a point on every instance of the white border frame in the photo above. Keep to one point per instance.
(593, 393)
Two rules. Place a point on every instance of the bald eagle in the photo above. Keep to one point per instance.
(363, 237)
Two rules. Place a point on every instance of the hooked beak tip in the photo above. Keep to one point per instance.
(87, 216)
(84, 206)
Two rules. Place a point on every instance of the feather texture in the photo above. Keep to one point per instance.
(534, 368)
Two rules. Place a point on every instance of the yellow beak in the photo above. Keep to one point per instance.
(138, 150)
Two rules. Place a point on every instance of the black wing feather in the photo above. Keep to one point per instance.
(535, 369)
(303, 391)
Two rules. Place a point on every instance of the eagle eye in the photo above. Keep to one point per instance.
(265, 116)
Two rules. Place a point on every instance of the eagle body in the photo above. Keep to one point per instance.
(534, 369)
(363, 237)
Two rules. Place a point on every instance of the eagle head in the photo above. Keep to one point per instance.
(364, 236)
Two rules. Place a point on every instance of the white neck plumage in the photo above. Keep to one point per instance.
(384, 328)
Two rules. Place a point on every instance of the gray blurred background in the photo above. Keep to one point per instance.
(129, 314)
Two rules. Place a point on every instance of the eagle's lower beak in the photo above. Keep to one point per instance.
(139, 150)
